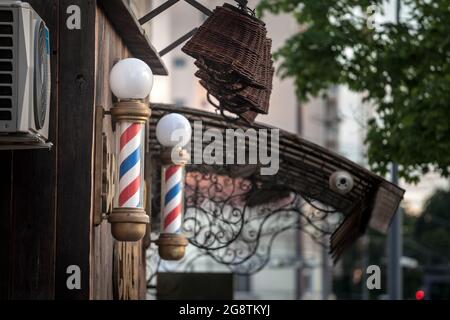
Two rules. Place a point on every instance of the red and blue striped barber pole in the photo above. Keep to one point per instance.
(130, 188)
(173, 198)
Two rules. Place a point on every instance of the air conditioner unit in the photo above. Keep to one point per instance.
(25, 78)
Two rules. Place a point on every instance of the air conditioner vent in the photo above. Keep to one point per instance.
(6, 29)
(5, 78)
(5, 91)
(25, 77)
(6, 64)
(5, 115)
(6, 42)
(5, 103)
(6, 54)
(6, 16)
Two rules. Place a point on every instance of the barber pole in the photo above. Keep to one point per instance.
(170, 128)
(130, 188)
(173, 199)
(131, 81)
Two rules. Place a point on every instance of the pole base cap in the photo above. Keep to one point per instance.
(128, 224)
(171, 246)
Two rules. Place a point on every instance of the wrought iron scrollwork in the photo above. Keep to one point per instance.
(235, 220)
(228, 219)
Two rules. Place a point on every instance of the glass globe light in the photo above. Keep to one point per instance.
(173, 129)
(131, 79)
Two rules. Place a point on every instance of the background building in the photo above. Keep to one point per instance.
(316, 121)
(337, 122)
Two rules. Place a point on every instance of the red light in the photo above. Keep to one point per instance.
(420, 294)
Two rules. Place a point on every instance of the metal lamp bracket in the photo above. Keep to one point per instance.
(241, 4)
(163, 7)
(104, 170)
(105, 160)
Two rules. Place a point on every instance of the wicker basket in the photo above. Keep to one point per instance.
(232, 53)
(230, 41)
(237, 93)
(233, 24)
(249, 116)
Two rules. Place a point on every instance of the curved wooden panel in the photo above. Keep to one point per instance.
(305, 168)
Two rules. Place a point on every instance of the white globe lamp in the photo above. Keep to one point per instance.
(131, 78)
(173, 129)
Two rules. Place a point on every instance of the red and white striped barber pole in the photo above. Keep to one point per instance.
(169, 129)
(131, 157)
(172, 199)
(131, 82)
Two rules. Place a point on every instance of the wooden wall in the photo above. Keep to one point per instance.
(28, 202)
(117, 267)
(46, 196)
(75, 135)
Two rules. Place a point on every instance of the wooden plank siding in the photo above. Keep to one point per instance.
(75, 136)
(108, 266)
(28, 199)
(6, 223)
(109, 48)
(46, 197)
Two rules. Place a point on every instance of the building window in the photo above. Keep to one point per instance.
(179, 62)
(242, 283)
(180, 102)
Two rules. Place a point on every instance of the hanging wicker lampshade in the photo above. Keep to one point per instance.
(231, 42)
(234, 61)
(240, 93)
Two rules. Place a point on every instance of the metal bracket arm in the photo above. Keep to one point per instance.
(163, 7)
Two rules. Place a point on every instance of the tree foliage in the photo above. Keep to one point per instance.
(432, 229)
(403, 69)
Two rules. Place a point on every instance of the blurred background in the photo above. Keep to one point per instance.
(299, 268)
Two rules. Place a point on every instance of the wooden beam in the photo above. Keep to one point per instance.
(177, 42)
(129, 28)
(6, 226)
(199, 7)
(75, 148)
(149, 16)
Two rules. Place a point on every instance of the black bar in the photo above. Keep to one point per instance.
(242, 3)
(200, 7)
(149, 16)
(176, 43)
